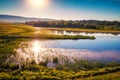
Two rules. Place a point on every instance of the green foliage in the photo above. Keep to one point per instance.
(67, 71)
(86, 24)
(7, 29)
(55, 60)
(69, 37)
(5, 76)
(7, 47)
(13, 31)
(86, 65)
(34, 72)
(111, 76)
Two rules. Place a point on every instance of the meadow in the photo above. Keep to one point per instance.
(12, 34)
(26, 31)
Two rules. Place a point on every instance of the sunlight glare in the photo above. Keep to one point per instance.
(36, 46)
(37, 4)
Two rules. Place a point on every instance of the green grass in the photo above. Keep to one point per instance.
(65, 72)
(69, 37)
(86, 30)
(110, 76)
(33, 72)
(11, 35)
(7, 47)
(10, 30)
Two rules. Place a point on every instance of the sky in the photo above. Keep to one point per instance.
(64, 9)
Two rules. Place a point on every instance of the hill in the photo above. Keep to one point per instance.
(13, 18)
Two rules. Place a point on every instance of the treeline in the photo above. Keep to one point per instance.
(90, 24)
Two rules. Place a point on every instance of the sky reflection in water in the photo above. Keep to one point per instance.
(39, 50)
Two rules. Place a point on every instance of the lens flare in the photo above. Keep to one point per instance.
(37, 4)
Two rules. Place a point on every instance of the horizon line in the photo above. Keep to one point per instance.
(57, 19)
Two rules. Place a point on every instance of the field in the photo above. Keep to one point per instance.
(11, 35)
(25, 31)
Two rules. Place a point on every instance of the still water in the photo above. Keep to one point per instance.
(103, 41)
(104, 47)
(99, 44)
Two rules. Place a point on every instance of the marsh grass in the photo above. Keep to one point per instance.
(11, 35)
(86, 30)
(10, 30)
(38, 72)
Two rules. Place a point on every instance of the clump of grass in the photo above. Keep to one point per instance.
(76, 37)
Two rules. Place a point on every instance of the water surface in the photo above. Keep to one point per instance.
(104, 47)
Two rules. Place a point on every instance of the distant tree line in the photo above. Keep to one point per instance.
(90, 24)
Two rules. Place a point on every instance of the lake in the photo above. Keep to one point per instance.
(105, 47)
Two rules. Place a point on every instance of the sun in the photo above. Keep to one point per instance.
(38, 3)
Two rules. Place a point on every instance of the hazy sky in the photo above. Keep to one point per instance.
(64, 9)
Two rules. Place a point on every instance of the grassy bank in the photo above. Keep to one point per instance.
(33, 72)
(51, 37)
(9, 30)
(110, 76)
(11, 35)
(86, 30)
(7, 47)
(79, 70)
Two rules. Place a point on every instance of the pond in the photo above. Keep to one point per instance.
(105, 47)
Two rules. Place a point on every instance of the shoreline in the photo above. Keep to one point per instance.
(82, 30)
(51, 37)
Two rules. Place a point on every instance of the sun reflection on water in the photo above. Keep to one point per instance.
(37, 51)
(36, 46)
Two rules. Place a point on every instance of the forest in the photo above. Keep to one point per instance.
(85, 24)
